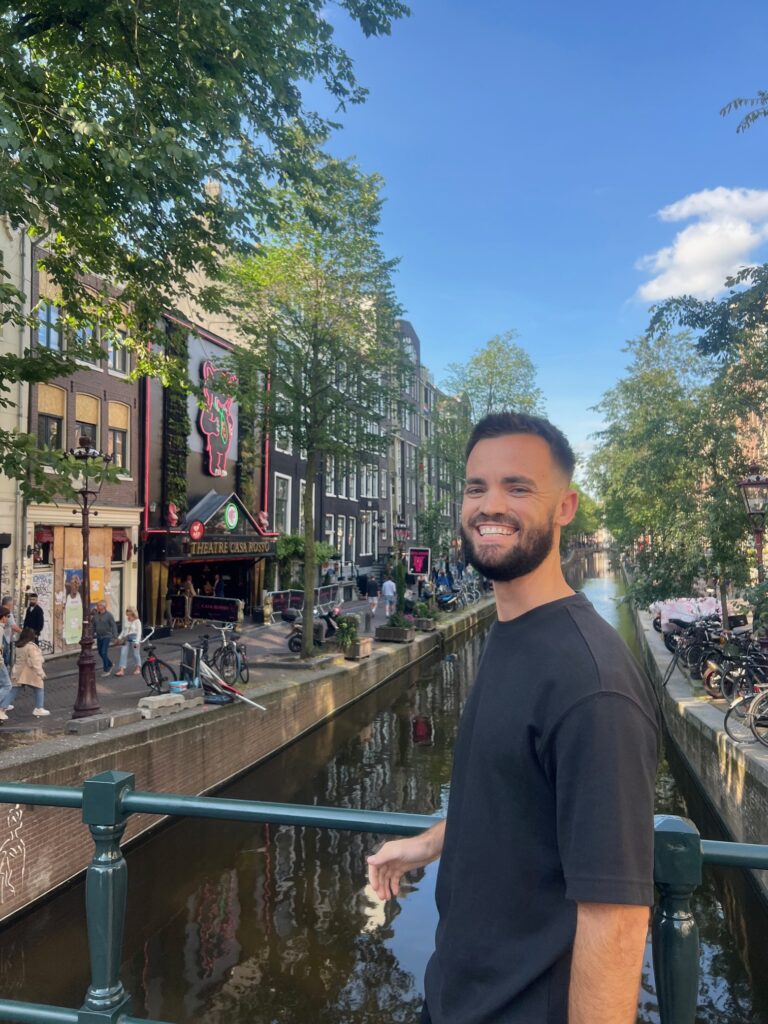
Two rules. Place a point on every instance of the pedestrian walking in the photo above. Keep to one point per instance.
(373, 594)
(389, 593)
(105, 631)
(5, 679)
(131, 641)
(27, 671)
(552, 789)
(10, 631)
(218, 586)
(35, 617)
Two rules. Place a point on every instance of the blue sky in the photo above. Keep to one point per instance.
(528, 150)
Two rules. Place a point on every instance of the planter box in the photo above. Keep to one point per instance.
(425, 625)
(395, 634)
(360, 648)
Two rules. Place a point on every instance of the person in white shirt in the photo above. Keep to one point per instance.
(131, 635)
(389, 593)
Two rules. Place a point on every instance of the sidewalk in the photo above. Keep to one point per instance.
(268, 658)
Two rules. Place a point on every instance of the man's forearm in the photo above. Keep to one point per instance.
(606, 963)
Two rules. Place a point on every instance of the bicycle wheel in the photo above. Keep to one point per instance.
(245, 672)
(738, 720)
(157, 675)
(730, 682)
(228, 665)
(758, 716)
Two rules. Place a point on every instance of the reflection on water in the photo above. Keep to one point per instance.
(238, 923)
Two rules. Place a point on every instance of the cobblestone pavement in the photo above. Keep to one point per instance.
(268, 657)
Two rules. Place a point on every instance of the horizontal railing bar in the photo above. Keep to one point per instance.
(35, 1013)
(387, 822)
(50, 796)
(740, 855)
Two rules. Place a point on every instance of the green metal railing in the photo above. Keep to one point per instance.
(108, 799)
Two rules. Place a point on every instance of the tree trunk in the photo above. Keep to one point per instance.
(724, 600)
(310, 561)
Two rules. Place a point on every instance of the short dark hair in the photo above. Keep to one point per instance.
(498, 424)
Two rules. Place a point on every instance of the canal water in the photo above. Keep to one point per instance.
(235, 923)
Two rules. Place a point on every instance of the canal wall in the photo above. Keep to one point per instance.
(194, 751)
(732, 776)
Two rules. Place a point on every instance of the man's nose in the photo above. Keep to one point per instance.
(493, 503)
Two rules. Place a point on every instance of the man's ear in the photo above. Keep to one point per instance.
(566, 509)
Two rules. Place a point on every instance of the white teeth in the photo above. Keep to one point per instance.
(503, 531)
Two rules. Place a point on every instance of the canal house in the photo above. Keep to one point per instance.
(201, 513)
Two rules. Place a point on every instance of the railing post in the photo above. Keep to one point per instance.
(675, 935)
(106, 885)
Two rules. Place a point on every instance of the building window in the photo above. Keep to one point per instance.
(118, 429)
(341, 539)
(329, 535)
(282, 506)
(50, 430)
(117, 447)
(49, 331)
(302, 489)
(330, 472)
(87, 409)
(117, 353)
(351, 538)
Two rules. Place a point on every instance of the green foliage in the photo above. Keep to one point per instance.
(177, 423)
(588, 519)
(499, 377)
(347, 631)
(318, 310)
(139, 142)
(400, 574)
(114, 116)
(758, 599)
(423, 611)
(667, 462)
(756, 107)
(434, 528)
(398, 618)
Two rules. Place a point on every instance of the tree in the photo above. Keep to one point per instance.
(317, 309)
(434, 527)
(138, 141)
(667, 461)
(586, 521)
(499, 377)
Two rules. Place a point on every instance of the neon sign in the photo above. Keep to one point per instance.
(216, 420)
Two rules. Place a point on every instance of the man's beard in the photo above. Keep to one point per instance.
(532, 547)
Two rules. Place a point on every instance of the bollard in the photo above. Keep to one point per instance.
(675, 935)
(368, 628)
(106, 884)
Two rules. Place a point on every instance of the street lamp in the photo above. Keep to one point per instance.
(754, 491)
(91, 463)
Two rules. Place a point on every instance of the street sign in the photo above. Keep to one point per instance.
(418, 561)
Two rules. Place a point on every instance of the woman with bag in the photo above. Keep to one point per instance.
(130, 638)
(28, 671)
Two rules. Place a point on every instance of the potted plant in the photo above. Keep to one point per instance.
(350, 642)
(399, 629)
(424, 617)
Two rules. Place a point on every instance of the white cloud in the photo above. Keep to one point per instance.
(731, 224)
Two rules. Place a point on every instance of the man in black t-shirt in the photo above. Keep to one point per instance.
(546, 869)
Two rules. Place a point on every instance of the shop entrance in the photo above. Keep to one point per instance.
(236, 576)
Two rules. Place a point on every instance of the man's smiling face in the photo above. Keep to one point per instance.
(512, 496)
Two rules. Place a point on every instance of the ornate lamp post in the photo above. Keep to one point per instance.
(754, 491)
(91, 462)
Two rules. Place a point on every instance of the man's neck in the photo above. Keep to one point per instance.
(546, 583)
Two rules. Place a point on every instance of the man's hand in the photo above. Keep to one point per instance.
(386, 868)
(606, 963)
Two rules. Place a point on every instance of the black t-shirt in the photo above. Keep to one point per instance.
(551, 804)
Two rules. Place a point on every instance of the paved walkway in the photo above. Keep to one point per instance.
(268, 657)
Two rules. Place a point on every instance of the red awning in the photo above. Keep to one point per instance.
(43, 535)
(120, 537)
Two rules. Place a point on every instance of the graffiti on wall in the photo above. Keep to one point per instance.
(13, 855)
(42, 585)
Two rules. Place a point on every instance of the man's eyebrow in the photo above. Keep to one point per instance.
(505, 480)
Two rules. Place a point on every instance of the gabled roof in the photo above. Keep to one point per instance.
(209, 511)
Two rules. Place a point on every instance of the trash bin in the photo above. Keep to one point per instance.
(362, 584)
(318, 632)
(258, 616)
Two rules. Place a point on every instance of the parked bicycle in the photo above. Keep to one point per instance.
(157, 674)
(229, 658)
